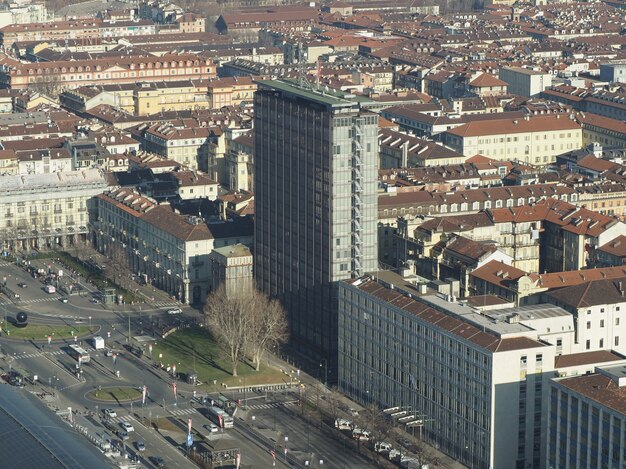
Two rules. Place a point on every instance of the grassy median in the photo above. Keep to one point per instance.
(41, 332)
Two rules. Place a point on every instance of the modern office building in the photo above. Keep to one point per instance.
(473, 381)
(315, 185)
(587, 425)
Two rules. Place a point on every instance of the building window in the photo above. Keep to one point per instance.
(601, 343)
(616, 340)
(617, 321)
(587, 344)
(601, 322)
(588, 324)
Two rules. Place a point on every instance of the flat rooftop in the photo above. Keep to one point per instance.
(473, 316)
(322, 95)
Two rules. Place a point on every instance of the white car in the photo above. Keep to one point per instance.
(110, 413)
(212, 428)
(174, 311)
(127, 427)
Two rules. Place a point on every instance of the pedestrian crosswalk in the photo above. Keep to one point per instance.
(122, 418)
(38, 354)
(188, 411)
(166, 304)
(272, 405)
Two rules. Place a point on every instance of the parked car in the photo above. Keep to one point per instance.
(127, 426)
(174, 311)
(110, 413)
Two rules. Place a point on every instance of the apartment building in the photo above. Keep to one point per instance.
(535, 140)
(187, 146)
(230, 91)
(43, 31)
(164, 248)
(39, 211)
(521, 288)
(117, 70)
(8, 163)
(53, 160)
(240, 159)
(587, 423)
(607, 131)
(401, 150)
(599, 311)
(150, 98)
(475, 383)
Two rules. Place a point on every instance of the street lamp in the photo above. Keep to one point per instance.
(324, 363)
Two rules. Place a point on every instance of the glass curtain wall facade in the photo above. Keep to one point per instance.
(315, 205)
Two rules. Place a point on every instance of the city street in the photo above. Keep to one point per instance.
(259, 430)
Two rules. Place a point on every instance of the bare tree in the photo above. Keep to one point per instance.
(245, 323)
(268, 326)
(228, 319)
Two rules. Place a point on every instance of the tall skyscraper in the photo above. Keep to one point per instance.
(315, 180)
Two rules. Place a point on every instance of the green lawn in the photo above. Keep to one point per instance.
(181, 347)
(41, 332)
(115, 394)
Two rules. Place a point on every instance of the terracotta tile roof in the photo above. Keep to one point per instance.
(512, 126)
(487, 79)
(615, 247)
(594, 293)
(164, 218)
(585, 358)
(469, 248)
(597, 164)
(598, 388)
(576, 277)
(453, 325)
(499, 273)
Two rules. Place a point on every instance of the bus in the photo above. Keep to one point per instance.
(79, 354)
(220, 418)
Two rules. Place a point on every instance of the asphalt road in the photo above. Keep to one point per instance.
(56, 372)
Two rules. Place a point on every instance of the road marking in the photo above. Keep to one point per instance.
(38, 354)
(121, 418)
(271, 405)
(183, 411)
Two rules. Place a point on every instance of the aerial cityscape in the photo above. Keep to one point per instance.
(334, 234)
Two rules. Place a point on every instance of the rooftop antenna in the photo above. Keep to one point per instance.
(302, 70)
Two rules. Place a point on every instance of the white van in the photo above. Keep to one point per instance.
(50, 289)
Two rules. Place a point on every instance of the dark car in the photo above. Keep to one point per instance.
(22, 285)
(158, 461)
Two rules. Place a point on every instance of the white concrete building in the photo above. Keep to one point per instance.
(525, 81)
(599, 311)
(476, 382)
(47, 210)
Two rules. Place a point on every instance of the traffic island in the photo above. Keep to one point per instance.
(114, 394)
(40, 332)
